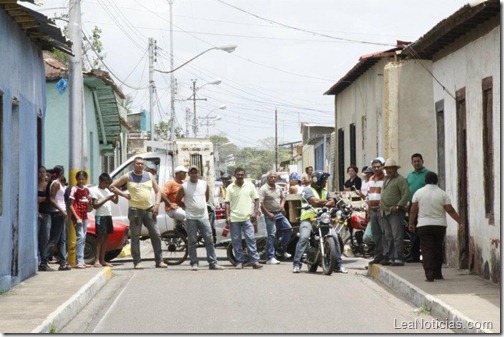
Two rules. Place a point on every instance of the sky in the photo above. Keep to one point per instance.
(289, 52)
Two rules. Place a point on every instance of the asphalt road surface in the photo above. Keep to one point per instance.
(268, 300)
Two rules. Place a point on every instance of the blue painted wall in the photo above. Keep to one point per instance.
(23, 64)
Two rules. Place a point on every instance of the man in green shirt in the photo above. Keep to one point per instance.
(416, 180)
(240, 196)
(394, 198)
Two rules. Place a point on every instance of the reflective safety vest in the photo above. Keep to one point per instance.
(307, 214)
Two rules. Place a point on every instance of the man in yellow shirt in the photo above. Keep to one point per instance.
(240, 196)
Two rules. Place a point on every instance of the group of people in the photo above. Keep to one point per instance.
(58, 206)
(389, 196)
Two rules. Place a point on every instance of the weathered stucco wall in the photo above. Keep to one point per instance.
(409, 113)
(473, 59)
(18, 216)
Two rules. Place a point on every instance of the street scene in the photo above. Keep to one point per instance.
(226, 166)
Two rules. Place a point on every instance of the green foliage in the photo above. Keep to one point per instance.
(424, 310)
(53, 329)
(93, 51)
(162, 131)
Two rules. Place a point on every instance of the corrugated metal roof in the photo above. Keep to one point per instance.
(365, 62)
(39, 28)
(452, 28)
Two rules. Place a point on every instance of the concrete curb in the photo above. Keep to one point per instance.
(418, 297)
(68, 310)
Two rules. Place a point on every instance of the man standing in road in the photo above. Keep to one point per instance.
(416, 180)
(394, 198)
(226, 181)
(317, 196)
(379, 232)
(240, 196)
(141, 209)
(196, 194)
(272, 202)
(170, 191)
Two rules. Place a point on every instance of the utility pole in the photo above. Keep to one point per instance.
(276, 141)
(187, 121)
(78, 156)
(172, 78)
(152, 87)
(195, 119)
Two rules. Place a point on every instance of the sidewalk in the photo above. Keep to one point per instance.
(461, 297)
(48, 301)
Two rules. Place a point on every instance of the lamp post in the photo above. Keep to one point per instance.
(194, 99)
(229, 49)
(216, 118)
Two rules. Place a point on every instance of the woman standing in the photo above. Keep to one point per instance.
(58, 216)
(44, 213)
(354, 182)
(431, 204)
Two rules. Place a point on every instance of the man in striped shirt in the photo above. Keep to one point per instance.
(375, 185)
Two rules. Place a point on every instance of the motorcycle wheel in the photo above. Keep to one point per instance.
(176, 247)
(261, 250)
(329, 257)
(344, 252)
(407, 244)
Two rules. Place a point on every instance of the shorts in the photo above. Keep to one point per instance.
(104, 224)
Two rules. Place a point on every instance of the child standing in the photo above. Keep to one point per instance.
(103, 217)
(79, 207)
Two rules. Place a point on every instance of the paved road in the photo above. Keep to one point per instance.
(270, 300)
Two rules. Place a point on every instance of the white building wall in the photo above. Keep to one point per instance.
(466, 67)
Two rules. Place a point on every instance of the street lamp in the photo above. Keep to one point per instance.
(229, 49)
(216, 118)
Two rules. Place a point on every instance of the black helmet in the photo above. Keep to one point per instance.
(319, 178)
(225, 176)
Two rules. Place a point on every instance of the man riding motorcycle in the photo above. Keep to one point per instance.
(316, 195)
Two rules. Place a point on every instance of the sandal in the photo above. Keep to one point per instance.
(65, 267)
(97, 265)
(106, 264)
(80, 266)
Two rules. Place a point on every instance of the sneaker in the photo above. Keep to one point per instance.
(239, 266)
(272, 261)
(161, 265)
(296, 269)
(65, 267)
(216, 267)
(137, 266)
(287, 255)
(194, 267)
(341, 269)
(385, 262)
(257, 265)
(45, 267)
(375, 261)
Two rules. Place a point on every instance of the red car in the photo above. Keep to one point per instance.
(115, 242)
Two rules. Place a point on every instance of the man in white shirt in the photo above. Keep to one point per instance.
(195, 194)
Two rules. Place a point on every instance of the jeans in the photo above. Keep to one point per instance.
(203, 226)
(57, 236)
(281, 223)
(137, 217)
(305, 229)
(394, 243)
(236, 240)
(378, 232)
(44, 228)
(80, 232)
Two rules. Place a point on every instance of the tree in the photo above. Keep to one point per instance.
(93, 52)
(162, 131)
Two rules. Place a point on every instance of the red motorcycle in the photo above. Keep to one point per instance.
(354, 233)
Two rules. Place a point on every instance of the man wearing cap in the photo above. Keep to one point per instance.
(170, 190)
(141, 210)
(394, 198)
(193, 196)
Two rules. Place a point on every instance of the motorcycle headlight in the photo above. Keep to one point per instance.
(339, 213)
(325, 218)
